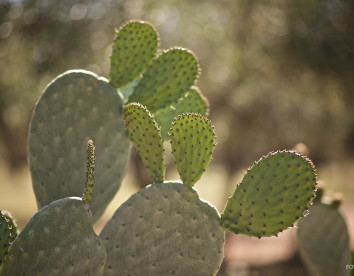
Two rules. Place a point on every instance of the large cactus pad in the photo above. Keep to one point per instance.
(273, 194)
(75, 107)
(324, 241)
(58, 240)
(164, 229)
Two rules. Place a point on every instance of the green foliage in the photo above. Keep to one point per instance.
(146, 136)
(192, 141)
(164, 229)
(273, 194)
(8, 232)
(58, 240)
(133, 49)
(75, 107)
(323, 240)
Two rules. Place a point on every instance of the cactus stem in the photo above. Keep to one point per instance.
(90, 165)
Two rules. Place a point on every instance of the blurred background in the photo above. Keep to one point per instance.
(277, 73)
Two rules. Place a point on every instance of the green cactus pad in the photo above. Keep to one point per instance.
(323, 240)
(8, 232)
(133, 49)
(75, 107)
(192, 141)
(273, 194)
(58, 240)
(90, 168)
(166, 79)
(193, 101)
(146, 137)
(164, 229)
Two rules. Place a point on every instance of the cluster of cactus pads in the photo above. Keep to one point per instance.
(165, 228)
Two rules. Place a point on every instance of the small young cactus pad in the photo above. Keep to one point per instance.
(273, 194)
(323, 240)
(8, 232)
(90, 167)
(146, 137)
(164, 229)
(58, 240)
(192, 141)
(75, 107)
(133, 49)
(167, 78)
(192, 102)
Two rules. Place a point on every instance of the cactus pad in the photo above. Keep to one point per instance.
(193, 101)
(192, 141)
(166, 79)
(273, 194)
(146, 137)
(164, 229)
(324, 241)
(90, 168)
(58, 240)
(8, 232)
(133, 49)
(75, 107)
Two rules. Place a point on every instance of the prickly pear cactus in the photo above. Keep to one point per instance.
(8, 232)
(166, 79)
(274, 193)
(156, 225)
(323, 240)
(58, 240)
(133, 49)
(164, 229)
(75, 107)
(146, 136)
(192, 141)
(162, 83)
